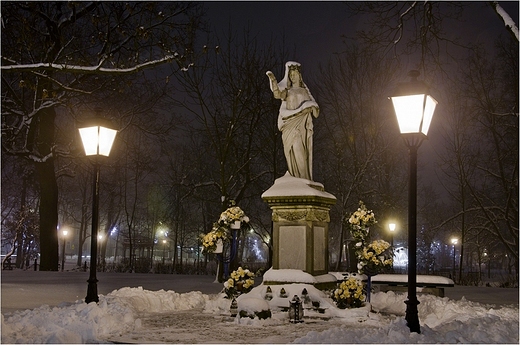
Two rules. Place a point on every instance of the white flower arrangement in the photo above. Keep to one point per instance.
(240, 281)
(349, 294)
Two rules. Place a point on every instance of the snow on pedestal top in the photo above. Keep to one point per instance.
(288, 185)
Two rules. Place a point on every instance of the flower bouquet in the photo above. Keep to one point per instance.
(360, 222)
(374, 258)
(240, 281)
(231, 215)
(349, 294)
(218, 234)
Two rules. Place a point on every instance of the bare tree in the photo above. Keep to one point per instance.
(492, 96)
(459, 159)
(54, 53)
(226, 93)
(356, 149)
(424, 29)
(19, 202)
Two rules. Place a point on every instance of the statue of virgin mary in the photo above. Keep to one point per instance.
(295, 119)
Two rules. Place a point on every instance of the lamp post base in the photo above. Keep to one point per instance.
(412, 315)
(92, 295)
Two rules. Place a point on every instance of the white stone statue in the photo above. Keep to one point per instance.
(295, 119)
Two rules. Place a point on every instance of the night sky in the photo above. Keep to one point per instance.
(314, 29)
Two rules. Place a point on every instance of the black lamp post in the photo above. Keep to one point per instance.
(414, 109)
(391, 227)
(454, 241)
(64, 235)
(97, 136)
(163, 250)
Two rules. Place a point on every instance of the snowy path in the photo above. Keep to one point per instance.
(196, 327)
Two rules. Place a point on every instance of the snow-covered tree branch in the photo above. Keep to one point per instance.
(76, 69)
(506, 18)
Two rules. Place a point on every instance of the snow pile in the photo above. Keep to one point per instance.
(442, 321)
(121, 313)
(144, 301)
(76, 323)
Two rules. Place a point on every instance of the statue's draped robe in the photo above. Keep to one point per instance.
(296, 127)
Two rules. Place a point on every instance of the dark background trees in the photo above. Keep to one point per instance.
(356, 142)
(59, 54)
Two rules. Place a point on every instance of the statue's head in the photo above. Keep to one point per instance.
(294, 71)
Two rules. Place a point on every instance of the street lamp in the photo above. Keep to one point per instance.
(163, 250)
(391, 226)
(414, 109)
(100, 245)
(97, 135)
(454, 241)
(64, 235)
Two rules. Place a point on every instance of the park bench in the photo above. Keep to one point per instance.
(426, 284)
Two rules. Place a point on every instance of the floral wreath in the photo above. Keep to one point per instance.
(240, 281)
(349, 294)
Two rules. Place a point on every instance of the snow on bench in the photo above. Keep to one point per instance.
(422, 280)
(425, 283)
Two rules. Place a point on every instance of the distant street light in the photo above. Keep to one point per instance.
(391, 226)
(163, 250)
(454, 241)
(64, 235)
(97, 135)
(100, 245)
(414, 109)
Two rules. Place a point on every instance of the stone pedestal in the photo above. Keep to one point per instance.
(300, 213)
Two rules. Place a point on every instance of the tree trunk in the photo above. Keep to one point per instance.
(48, 193)
(341, 239)
(48, 216)
(82, 229)
(19, 240)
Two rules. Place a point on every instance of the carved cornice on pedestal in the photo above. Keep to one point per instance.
(292, 215)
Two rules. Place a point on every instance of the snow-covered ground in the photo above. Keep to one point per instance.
(133, 314)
